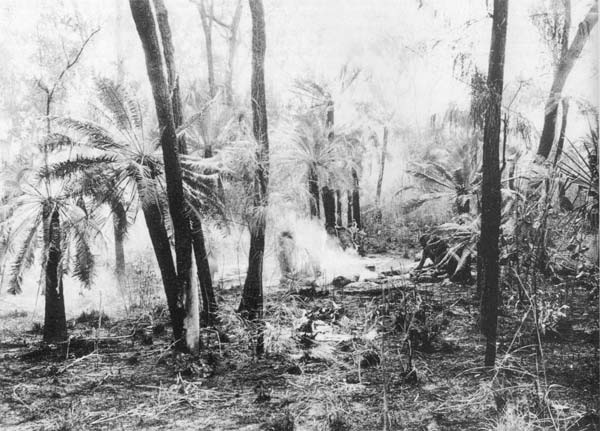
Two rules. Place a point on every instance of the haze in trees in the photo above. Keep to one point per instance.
(271, 214)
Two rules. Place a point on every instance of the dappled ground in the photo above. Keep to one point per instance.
(339, 359)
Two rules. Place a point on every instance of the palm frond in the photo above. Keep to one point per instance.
(118, 102)
(57, 141)
(78, 165)
(89, 134)
(430, 179)
(24, 258)
(84, 260)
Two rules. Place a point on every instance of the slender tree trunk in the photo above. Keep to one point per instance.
(563, 127)
(313, 191)
(209, 304)
(381, 166)
(490, 188)
(207, 292)
(162, 250)
(338, 208)
(55, 322)
(207, 21)
(232, 48)
(563, 69)
(252, 295)
(350, 217)
(119, 228)
(146, 28)
(329, 209)
(119, 42)
(206, 16)
(356, 199)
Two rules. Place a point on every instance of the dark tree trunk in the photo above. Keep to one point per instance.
(209, 301)
(55, 322)
(563, 127)
(146, 28)
(209, 305)
(119, 228)
(164, 28)
(490, 188)
(162, 250)
(329, 209)
(252, 295)
(381, 166)
(313, 191)
(356, 199)
(350, 217)
(563, 69)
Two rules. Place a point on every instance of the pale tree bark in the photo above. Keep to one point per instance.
(490, 188)
(252, 295)
(119, 42)
(145, 23)
(565, 64)
(206, 17)
(232, 45)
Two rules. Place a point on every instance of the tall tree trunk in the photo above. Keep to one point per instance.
(328, 194)
(162, 250)
(207, 292)
(490, 188)
(313, 191)
(146, 28)
(563, 69)
(356, 199)
(119, 42)
(119, 228)
(252, 295)
(563, 128)
(329, 209)
(209, 305)
(381, 166)
(55, 322)
(232, 49)
(206, 16)
(350, 217)
(338, 208)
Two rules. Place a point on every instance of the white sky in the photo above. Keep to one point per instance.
(387, 39)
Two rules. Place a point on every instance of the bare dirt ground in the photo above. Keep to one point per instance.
(339, 359)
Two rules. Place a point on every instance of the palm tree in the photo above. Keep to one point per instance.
(455, 176)
(580, 166)
(323, 162)
(120, 164)
(45, 217)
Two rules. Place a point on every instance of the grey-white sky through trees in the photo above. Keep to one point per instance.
(405, 53)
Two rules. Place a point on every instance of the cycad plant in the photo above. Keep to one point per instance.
(323, 161)
(48, 224)
(580, 166)
(455, 176)
(119, 162)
